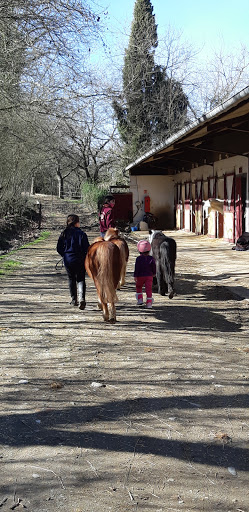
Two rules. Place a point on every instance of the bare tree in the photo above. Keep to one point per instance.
(43, 53)
(224, 75)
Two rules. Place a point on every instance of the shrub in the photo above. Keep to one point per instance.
(93, 195)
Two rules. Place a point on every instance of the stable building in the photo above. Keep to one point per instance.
(204, 161)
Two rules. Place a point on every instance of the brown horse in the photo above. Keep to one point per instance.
(103, 265)
(112, 235)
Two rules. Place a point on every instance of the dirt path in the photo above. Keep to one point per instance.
(168, 428)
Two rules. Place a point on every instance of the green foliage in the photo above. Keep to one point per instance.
(153, 106)
(43, 236)
(93, 194)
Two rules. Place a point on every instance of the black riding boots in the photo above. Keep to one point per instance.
(73, 292)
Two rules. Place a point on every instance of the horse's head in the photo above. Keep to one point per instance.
(152, 233)
(206, 208)
(111, 233)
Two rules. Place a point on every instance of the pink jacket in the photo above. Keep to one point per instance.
(106, 219)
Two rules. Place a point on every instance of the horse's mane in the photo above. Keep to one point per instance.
(111, 234)
(153, 233)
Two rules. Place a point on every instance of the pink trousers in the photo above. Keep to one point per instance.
(144, 281)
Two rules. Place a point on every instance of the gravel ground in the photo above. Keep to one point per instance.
(148, 414)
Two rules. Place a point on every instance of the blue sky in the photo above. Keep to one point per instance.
(204, 24)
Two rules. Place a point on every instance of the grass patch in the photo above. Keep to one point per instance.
(43, 236)
(7, 265)
(73, 201)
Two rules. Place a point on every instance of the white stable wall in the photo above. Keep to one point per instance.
(160, 189)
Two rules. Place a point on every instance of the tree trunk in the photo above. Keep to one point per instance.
(32, 186)
(60, 183)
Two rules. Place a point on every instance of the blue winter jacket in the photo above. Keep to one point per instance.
(72, 246)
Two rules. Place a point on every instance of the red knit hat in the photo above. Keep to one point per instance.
(144, 246)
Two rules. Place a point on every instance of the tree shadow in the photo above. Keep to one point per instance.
(70, 427)
(181, 318)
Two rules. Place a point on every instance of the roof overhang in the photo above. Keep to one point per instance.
(220, 134)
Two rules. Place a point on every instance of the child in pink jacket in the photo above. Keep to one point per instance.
(106, 218)
(145, 270)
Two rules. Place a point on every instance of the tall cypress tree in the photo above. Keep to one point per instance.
(153, 106)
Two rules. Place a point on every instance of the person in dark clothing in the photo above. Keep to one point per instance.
(106, 218)
(145, 270)
(72, 245)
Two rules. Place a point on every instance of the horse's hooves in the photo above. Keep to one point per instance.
(112, 320)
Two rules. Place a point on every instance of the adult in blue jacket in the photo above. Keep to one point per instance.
(72, 245)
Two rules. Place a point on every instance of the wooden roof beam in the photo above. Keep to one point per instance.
(215, 150)
(227, 124)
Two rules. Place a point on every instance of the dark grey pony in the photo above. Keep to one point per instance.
(163, 250)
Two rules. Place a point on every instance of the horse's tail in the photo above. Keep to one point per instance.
(168, 257)
(109, 266)
(124, 258)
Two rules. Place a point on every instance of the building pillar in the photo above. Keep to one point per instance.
(247, 201)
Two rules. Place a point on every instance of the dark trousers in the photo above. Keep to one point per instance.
(76, 274)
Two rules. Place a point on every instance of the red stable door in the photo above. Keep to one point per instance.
(229, 207)
(123, 206)
(210, 224)
(198, 206)
(238, 207)
(187, 207)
